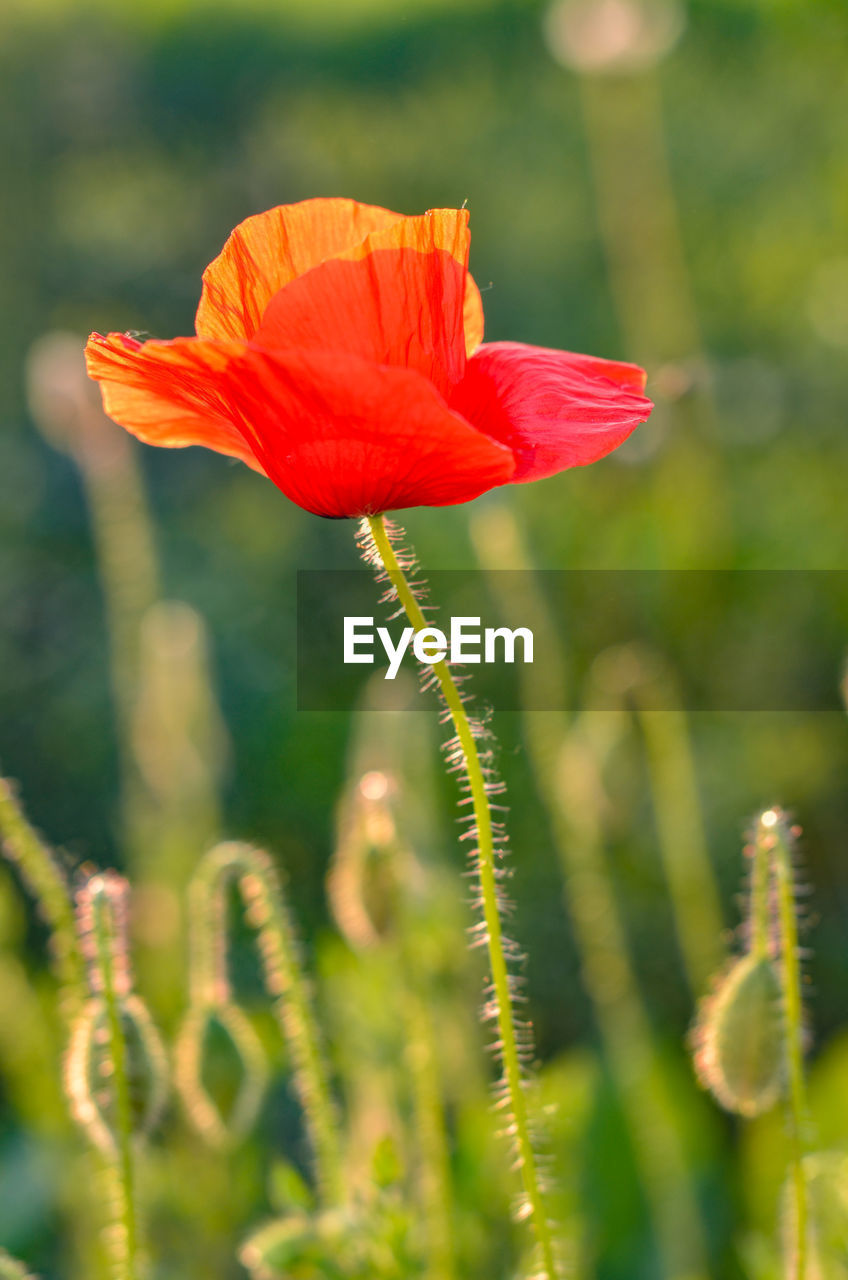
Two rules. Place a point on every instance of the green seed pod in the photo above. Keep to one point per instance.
(738, 1038)
(90, 1070)
(207, 1035)
(826, 1183)
(368, 862)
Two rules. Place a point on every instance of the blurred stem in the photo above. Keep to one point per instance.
(423, 1063)
(680, 827)
(637, 215)
(423, 1060)
(576, 795)
(649, 279)
(388, 775)
(297, 1018)
(286, 983)
(772, 824)
(568, 763)
(430, 1128)
(179, 748)
(104, 930)
(46, 881)
(508, 1045)
(123, 537)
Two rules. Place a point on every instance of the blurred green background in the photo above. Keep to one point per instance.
(666, 183)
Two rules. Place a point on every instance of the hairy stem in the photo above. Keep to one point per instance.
(774, 835)
(104, 938)
(287, 984)
(508, 1043)
(45, 880)
(759, 906)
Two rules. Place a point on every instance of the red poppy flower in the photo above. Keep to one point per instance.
(338, 351)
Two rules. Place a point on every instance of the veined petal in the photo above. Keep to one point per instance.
(445, 229)
(269, 249)
(399, 306)
(169, 393)
(342, 436)
(437, 229)
(554, 409)
(339, 351)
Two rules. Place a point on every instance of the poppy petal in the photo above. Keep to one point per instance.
(554, 409)
(442, 229)
(168, 393)
(473, 316)
(269, 249)
(396, 300)
(445, 229)
(342, 436)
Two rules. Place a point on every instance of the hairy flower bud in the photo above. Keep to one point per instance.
(738, 1038)
(90, 1072)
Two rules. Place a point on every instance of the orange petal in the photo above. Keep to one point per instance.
(396, 300)
(473, 316)
(268, 250)
(438, 229)
(445, 229)
(168, 393)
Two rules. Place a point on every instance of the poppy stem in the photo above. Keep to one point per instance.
(263, 895)
(775, 837)
(508, 1044)
(109, 976)
(44, 878)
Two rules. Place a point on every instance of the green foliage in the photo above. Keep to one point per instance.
(372, 1238)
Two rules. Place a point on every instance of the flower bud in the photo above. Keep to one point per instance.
(738, 1038)
(90, 1071)
(226, 1036)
